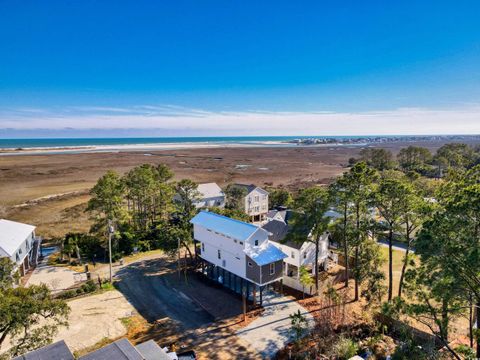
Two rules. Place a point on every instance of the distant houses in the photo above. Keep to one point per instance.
(19, 243)
(236, 254)
(210, 195)
(255, 203)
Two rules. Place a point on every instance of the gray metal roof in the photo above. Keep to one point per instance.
(151, 351)
(55, 351)
(118, 350)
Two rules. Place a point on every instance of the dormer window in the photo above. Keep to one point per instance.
(256, 242)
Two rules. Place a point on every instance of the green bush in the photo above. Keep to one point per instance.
(89, 286)
(345, 348)
(68, 294)
(79, 290)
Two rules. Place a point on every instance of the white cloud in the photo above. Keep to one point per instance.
(464, 120)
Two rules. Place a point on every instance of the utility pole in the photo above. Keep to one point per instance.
(111, 230)
(178, 257)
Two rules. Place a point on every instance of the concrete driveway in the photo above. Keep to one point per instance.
(55, 277)
(272, 330)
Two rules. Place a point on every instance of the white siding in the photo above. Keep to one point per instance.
(23, 250)
(231, 251)
(296, 256)
(256, 203)
(211, 202)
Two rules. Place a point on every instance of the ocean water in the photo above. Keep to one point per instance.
(77, 142)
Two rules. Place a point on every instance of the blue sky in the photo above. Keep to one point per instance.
(239, 67)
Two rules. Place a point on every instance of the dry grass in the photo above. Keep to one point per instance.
(56, 217)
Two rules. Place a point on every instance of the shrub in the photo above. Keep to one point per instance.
(68, 294)
(79, 290)
(345, 348)
(89, 286)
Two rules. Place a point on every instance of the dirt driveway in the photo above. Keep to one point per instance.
(206, 317)
(150, 288)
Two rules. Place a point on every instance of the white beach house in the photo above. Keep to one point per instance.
(210, 195)
(299, 253)
(19, 243)
(255, 202)
(236, 254)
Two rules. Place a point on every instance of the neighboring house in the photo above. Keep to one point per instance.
(299, 253)
(255, 202)
(118, 350)
(211, 195)
(19, 243)
(280, 213)
(55, 351)
(236, 254)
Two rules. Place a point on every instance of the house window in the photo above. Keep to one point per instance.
(224, 263)
(272, 268)
(257, 198)
(250, 264)
(264, 197)
(256, 242)
(241, 242)
(203, 247)
(292, 255)
(235, 241)
(219, 254)
(19, 251)
(305, 255)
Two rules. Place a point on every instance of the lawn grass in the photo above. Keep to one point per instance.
(397, 258)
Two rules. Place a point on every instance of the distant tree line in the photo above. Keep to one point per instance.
(421, 160)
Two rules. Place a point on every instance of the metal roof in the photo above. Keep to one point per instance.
(224, 225)
(265, 254)
(210, 190)
(12, 235)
